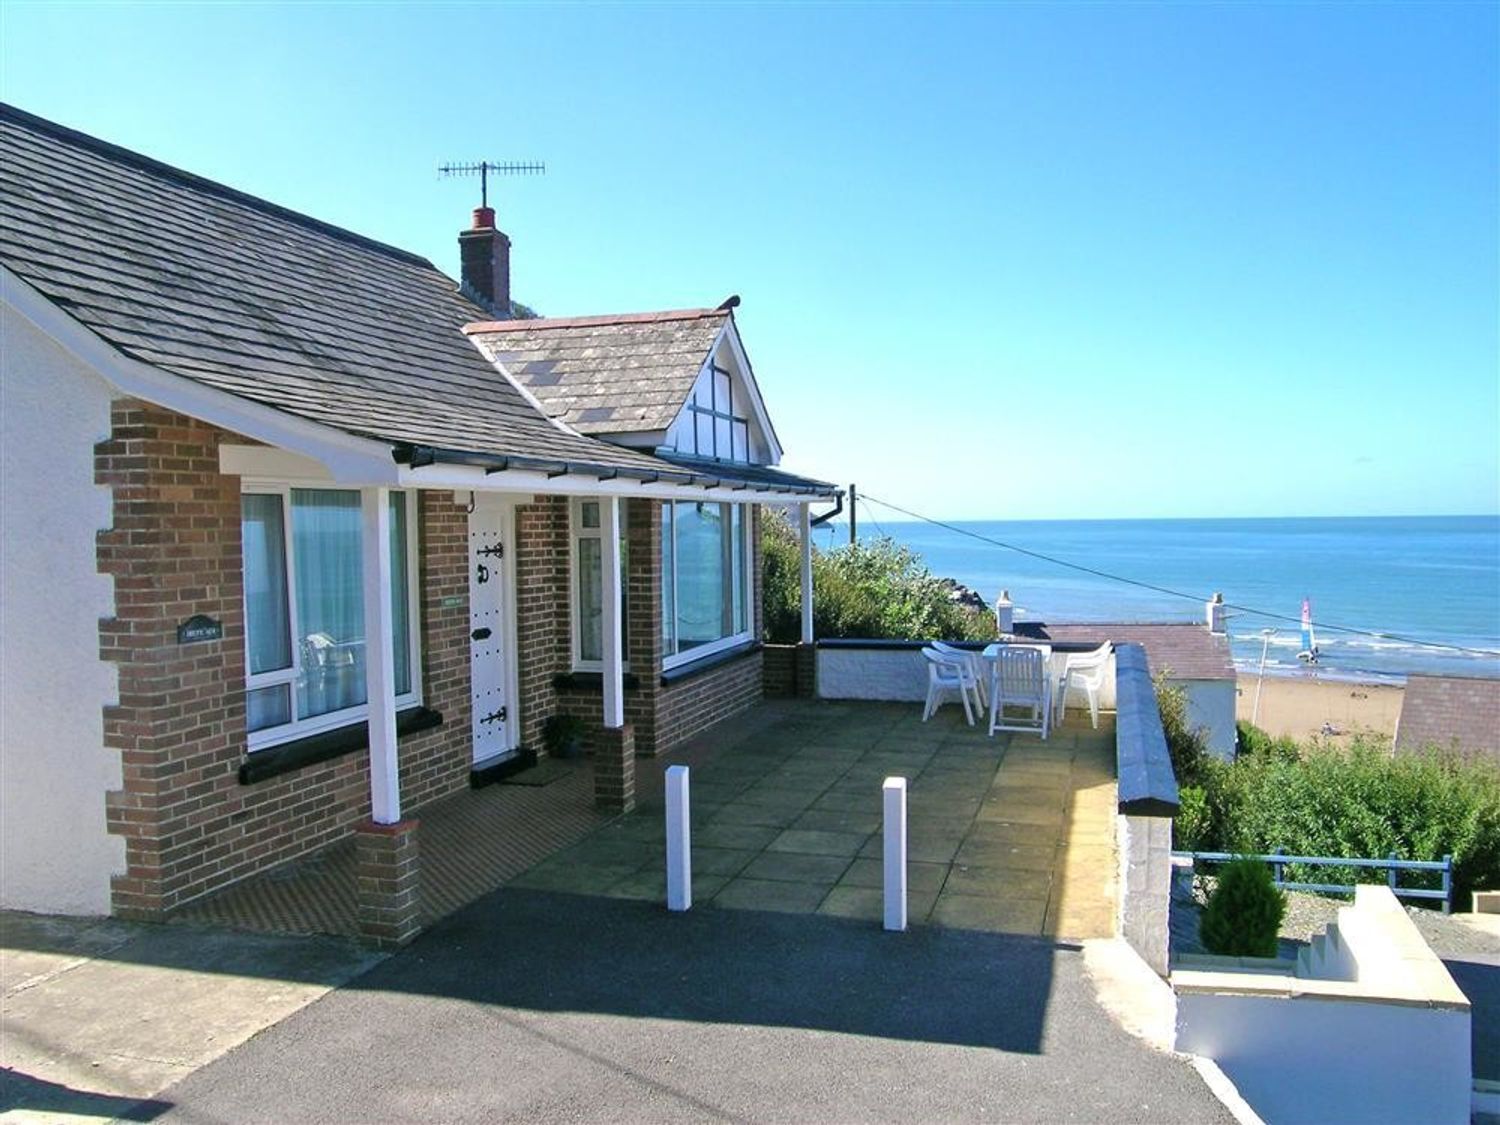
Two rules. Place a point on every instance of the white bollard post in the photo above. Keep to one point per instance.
(893, 802)
(679, 841)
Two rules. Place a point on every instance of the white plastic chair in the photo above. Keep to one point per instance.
(975, 663)
(946, 675)
(1085, 673)
(1019, 680)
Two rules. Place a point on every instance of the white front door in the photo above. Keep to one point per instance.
(490, 677)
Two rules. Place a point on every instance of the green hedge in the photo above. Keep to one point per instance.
(1359, 802)
(875, 590)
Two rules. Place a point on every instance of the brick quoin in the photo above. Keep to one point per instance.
(173, 551)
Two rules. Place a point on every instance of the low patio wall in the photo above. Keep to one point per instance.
(1372, 1028)
(893, 670)
(1147, 792)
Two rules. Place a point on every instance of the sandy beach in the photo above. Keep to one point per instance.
(1302, 706)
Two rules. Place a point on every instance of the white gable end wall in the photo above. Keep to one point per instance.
(724, 388)
(55, 853)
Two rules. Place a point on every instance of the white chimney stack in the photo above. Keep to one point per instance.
(1216, 620)
(1005, 614)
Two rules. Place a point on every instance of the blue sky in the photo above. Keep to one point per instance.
(1022, 261)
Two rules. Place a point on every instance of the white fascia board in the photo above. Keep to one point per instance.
(747, 374)
(346, 457)
(633, 439)
(532, 482)
(265, 462)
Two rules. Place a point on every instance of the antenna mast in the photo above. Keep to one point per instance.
(484, 168)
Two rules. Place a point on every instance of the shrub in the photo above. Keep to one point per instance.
(1256, 743)
(1243, 915)
(1360, 802)
(1187, 745)
(1194, 820)
(876, 589)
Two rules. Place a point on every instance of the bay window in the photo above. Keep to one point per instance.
(706, 568)
(304, 609)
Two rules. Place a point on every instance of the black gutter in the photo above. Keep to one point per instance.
(421, 456)
(819, 521)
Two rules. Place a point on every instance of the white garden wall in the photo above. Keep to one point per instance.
(1210, 705)
(1378, 1032)
(872, 673)
(55, 854)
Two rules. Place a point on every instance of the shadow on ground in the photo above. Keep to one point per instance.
(543, 1006)
(22, 1093)
(733, 967)
(1478, 977)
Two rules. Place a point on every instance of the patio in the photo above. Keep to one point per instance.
(1006, 834)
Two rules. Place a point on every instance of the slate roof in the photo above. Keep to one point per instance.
(607, 374)
(1459, 712)
(1188, 651)
(239, 294)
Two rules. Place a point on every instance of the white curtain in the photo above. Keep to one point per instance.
(330, 600)
(268, 627)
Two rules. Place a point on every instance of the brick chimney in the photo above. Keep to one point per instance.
(484, 257)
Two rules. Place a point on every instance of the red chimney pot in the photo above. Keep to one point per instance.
(484, 218)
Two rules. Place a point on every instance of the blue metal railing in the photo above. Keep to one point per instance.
(1279, 861)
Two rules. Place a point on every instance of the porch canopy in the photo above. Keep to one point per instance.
(337, 357)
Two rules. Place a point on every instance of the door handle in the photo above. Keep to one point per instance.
(480, 635)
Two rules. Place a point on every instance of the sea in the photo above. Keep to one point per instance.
(1423, 591)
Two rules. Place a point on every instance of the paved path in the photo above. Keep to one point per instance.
(97, 1014)
(539, 1006)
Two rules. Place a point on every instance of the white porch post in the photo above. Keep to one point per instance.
(614, 672)
(804, 519)
(380, 666)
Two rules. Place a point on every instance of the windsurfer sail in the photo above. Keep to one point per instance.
(1309, 653)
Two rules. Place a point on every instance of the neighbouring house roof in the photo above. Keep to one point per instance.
(1451, 712)
(1187, 651)
(247, 297)
(606, 374)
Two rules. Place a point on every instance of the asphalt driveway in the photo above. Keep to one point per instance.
(540, 1006)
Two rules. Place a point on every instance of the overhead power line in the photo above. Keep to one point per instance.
(1167, 590)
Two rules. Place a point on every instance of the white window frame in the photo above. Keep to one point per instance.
(348, 716)
(674, 660)
(577, 532)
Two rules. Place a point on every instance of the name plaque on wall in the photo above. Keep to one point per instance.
(199, 627)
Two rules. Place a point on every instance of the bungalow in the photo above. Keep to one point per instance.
(300, 535)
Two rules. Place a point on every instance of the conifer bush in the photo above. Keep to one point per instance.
(1243, 915)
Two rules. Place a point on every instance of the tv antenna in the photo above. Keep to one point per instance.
(486, 168)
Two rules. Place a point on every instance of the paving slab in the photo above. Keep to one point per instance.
(990, 913)
(797, 867)
(810, 841)
(744, 893)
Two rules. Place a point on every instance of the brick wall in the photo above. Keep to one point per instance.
(687, 707)
(541, 572)
(779, 665)
(173, 551)
(661, 716)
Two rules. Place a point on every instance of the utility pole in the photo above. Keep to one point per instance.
(853, 504)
